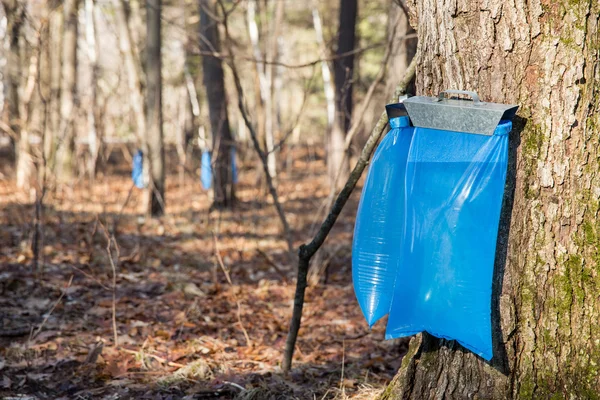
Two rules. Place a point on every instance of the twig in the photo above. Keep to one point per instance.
(103, 286)
(110, 239)
(39, 329)
(157, 358)
(307, 251)
(272, 263)
(228, 277)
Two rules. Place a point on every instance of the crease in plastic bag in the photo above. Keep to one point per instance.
(379, 223)
(449, 213)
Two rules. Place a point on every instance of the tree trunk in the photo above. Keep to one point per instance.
(55, 26)
(134, 80)
(343, 68)
(15, 14)
(545, 312)
(93, 107)
(271, 116)
(403, 50)
(325, 70)
(212, 69)
(67, 133)
(156, 151)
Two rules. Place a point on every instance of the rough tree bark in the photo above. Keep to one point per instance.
(65, 158)
(155, 158)
(343, 75)
(543, 56)
(212, 76)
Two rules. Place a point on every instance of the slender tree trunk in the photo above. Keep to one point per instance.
(53, 126)
(343, 68)
(92, 112)
(134, 81)
(271, 116)
(325, 70)
(156, 154)
(132, 66)
(264, 100)
(403, 50)
(546, 289)
(212, 69)
(15, 17)
(68, 102)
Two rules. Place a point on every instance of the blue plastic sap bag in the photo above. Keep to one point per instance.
(137, 170)
(206, 170)
(234, 172)
(380, 223)
(454, 188)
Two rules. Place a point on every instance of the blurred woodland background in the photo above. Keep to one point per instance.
(276, 97)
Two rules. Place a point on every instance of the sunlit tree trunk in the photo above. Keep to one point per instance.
(343, 68)
(94, 139)
(212, 69)
(154, 119)
(546, 288)
(325, 70)
(65, 160)
(55, 27)
(15, 14)
(266, 107)
(133, 64)
(403, 49)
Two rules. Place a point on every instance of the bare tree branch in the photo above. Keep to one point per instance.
(262, 155)
(307, 251)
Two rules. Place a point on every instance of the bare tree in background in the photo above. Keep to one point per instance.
(343, 68)
(53, 44)
(325, 69)
(403, 49)
(65, 158)
(156, 152)
(134, 75)
(15, 16)
(93, 119)
(212, 69)
(267, 75)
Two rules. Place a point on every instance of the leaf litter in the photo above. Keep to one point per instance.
(191, 322)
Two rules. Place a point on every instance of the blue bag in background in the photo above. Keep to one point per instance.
(206, 170)
(137, 170)
(380, 223)
(234, 172)
(454, 189)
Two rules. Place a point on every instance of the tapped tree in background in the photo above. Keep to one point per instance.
(65, 158)
(546, 288)
(343, 68)
(212, 70)
(156, 152)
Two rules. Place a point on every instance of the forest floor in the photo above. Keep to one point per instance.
(182, 328)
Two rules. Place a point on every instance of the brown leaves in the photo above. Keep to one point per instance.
(176, 313)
